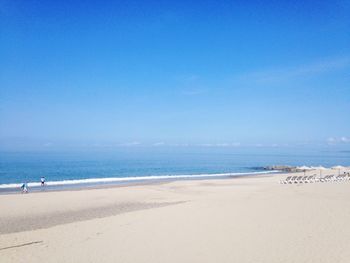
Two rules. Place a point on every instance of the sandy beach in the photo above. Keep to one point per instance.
(252, 219)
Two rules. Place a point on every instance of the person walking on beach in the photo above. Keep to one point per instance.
(42, 179)
(24, 188)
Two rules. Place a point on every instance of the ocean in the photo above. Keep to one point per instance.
(86, 168)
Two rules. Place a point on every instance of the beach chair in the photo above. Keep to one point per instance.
(317, 179)
(331, 178)
(286, 181)
(299, 180)
(311, 179)
(324, 179)
(337, 178)
(295, 179)
(341, 178)
(304, 179)
(292, 180)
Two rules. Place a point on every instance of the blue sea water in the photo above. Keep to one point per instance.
(19, 167)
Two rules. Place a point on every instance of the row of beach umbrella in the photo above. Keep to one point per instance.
(321, 168)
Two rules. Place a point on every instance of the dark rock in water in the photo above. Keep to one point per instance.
(285, 168)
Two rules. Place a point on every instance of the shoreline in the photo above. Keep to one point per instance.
(123, 181)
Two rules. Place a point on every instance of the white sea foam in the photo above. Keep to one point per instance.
(130, 179)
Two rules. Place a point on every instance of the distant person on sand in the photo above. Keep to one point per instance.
(42, 179)
(24, 188)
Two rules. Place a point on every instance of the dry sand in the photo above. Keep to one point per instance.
(252, 219)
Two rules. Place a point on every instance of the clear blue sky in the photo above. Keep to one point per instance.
(133, 73)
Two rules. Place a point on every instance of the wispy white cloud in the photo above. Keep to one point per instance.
(235, 144)
(190, 85)
(345, 139)
(189, 78)
(180, 145)
(288, 73)
(158, 144)
(194, 91)
(338, 140)
(134, 143)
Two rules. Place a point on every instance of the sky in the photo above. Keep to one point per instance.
(174, 73)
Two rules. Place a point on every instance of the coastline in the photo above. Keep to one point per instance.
(80, 184)
(245, 219)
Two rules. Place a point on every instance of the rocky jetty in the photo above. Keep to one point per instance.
(285, 168)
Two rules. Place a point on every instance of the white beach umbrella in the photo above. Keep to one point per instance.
(320, 168)
(338, 167)
(303, 168)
